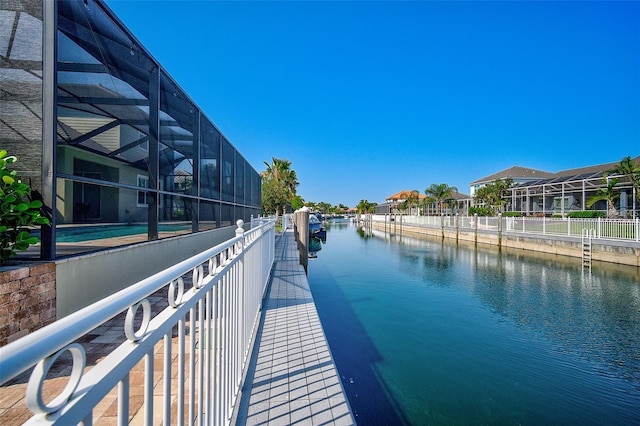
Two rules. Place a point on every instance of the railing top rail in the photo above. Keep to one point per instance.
(25, 352)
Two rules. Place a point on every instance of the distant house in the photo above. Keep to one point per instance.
(403, 196)
(518, 174)
(461, 204)
(393, 202)
(540, 192)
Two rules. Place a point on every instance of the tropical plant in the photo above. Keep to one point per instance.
(494, 194)
(17, 211)
(439, 193)
(412, 200)
(606, 194)
(586, 214)
(481, 211)
(324, 207)
(631, 171)
(364, 206)
(274, 196)
(402, 206)
(297, 202)
(279, 183)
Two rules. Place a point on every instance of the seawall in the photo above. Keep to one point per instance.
(621, 252)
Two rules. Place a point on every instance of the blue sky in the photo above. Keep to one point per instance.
(370, 98)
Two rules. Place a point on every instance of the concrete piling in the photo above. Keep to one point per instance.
(301, 232)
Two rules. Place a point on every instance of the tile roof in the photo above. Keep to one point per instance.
(403, 195)
(515, 172)
(543, 177)
(598, 168)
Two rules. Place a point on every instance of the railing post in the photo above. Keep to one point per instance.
(222, 308)
(499, 231)
(599, 227)
(457, 222)
(241, 303)
(568, 226)
(475, 228)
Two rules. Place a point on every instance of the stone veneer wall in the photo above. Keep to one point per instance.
(27, 299)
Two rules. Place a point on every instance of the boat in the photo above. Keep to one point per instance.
(315, 225)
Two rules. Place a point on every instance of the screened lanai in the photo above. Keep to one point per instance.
(111, 139)
(569, 191)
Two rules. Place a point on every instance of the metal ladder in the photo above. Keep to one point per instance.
(587, 235)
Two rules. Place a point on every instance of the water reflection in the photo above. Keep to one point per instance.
(594, 316)
(315, 245)
(429, 332)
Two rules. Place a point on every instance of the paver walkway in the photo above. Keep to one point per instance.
(292, 377)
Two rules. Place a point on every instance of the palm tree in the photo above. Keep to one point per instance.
(493, 194)
(364, 206)
(502, 185)
(324, 207)
(280, 175)
(631, 171)
(439, 193)
(607, 195)
(402, 206)
(281, 171)
(413, 199)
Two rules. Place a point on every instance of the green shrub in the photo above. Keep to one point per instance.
(587, 214)
(17, 212)
(481, 211)
(511, 214)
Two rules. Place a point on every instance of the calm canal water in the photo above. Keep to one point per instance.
(430, 333)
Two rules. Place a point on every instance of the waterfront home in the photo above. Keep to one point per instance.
(546, 193)
(135, 175)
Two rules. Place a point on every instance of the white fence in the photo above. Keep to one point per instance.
(605, 229)
(209, 324)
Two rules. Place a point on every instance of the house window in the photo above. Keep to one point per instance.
(143, 182)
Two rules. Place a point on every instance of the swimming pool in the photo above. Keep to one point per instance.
(99, 232)
(429, 333)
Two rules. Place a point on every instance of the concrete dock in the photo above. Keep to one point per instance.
(292, 378)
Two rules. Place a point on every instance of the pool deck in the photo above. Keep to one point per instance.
(292, 378)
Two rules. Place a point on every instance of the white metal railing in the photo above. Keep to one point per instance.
(209, 325)
(604, 229)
